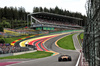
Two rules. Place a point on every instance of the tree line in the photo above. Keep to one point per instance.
(12, 13)
(13, 17)
(57, 10)
(10, 16)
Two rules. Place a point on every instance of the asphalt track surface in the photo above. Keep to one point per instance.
(52, 60)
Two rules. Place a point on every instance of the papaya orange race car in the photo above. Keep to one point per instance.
(64, 58)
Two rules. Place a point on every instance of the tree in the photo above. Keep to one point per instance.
(2, 41)
(4, 23)
(35, 9)
(46, 10)
(0, 13)
(21, 13)
(41, 9)
(16, 14)
(1, 28)
(57, 10)
(51, 10)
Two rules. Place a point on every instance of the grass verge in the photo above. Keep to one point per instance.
(66, 43)
(9, 40)
(82, 35)
(34, 55)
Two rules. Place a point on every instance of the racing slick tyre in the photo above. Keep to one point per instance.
(59, 60)
(69, 58)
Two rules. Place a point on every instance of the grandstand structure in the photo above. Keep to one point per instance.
(50, 21)
(91, 42)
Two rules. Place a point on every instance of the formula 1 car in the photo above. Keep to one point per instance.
(64, 58)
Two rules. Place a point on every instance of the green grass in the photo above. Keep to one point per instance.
(9, 40)
(82, 35)
(34, 55)
(66, 42)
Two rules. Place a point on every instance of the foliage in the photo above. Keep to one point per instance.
(11, 17)
(4, 23)
(1, 28)
(2, 40)
(12, 13)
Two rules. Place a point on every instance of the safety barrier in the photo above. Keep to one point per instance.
(81, 60)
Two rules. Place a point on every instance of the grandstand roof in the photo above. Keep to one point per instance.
(55, 15)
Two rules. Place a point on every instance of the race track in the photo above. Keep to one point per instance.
(52, 60)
